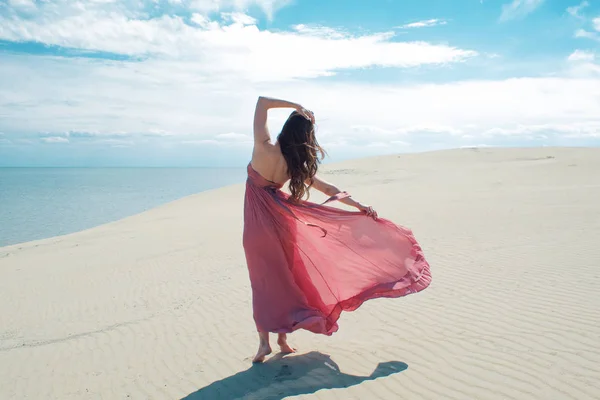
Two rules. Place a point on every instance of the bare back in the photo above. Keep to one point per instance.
(268, 161)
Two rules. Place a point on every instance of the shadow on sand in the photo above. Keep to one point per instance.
(286, 376)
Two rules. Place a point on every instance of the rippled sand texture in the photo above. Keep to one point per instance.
(157, 306)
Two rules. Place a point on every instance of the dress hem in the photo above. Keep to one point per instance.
(329, 323)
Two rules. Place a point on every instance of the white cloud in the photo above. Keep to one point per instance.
(234, 46)
(239, 18)
(320, 31)
(201, 142)
(143, 7)
(223, 139)
(575, 10)
(116, 97)
(585, 69)
(582, 33)
(430, 128)
(572, 130)
(373, 131)
(519, 9)
(423, 24)
(378, 133)
(234, 136)
(219, 143)
(268, 6)
(157, 133)
(55, 139)
(581, 55)
(23, 5)
(82, 134)
(113, 142)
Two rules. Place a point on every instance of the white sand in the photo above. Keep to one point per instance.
(158, 305)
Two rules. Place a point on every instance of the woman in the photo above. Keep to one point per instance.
(308, 262)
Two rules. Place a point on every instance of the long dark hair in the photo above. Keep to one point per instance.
(301, 151)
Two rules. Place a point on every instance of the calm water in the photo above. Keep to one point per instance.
(37, 203)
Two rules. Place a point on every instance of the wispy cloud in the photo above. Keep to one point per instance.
(23, 4)
(423, 24)
(583, 64)
(582, 129)
(55, 139)
(268, 6)
(230, 139)
(113, 142)
(157, 133)
(519, 9)
(581, 55)
(582, 33)
(575, 10)
(232, 136)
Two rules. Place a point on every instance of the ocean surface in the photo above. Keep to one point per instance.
(37, 203)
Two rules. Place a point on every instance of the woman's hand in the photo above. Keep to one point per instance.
(309, 115)
(367, 210)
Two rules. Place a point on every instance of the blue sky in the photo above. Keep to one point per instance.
(174, 82)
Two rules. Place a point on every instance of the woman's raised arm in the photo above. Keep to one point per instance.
(261, 131)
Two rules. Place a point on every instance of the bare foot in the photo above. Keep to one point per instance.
(263, 351)
(284, 346)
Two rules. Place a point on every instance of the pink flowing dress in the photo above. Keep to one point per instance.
(309, 262)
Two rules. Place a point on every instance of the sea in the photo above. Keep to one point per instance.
(37, 203)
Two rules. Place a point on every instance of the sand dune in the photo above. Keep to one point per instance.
(157, 306)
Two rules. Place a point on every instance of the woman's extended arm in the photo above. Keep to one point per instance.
(261, 131)
(331, 190)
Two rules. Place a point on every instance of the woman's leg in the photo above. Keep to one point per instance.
(264, 348)
(283, 344)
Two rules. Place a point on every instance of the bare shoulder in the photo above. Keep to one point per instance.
(264, 151)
